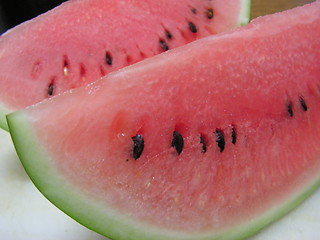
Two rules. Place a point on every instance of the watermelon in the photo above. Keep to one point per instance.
(200, 142)
(82, 40)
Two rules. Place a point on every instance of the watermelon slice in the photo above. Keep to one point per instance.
(82, 40)
(200, 142)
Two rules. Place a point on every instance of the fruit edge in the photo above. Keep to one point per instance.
(245, 9)
(33, 160)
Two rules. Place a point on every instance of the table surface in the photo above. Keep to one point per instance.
(26, 215)
(263, 7)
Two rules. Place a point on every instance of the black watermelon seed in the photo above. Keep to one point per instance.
(163, 45)
(210, 13)
(192, 27)
(234, 135)
(177, 142)
(203, 142)
(138, 146)
(168, 34)
(303, 104)
(289, 108)
(220, 139)
(50, 89)
(65, 61)
(193, 10)
(108, 58)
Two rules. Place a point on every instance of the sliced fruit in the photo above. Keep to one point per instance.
(212, 140)
(81, 41)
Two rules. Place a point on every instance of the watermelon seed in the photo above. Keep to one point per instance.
(65, 66)
(82, 72)
(192, 27)
(168, 34)
(163, 45)
(233, 135)
(193, 10)
(210, 13)
(303, 104)
(51, 88)
(142, 54)
(220, 139)
(203, 142)
(177, 142)
(290, 110)
(65, 71)
(138, 146)
(108, 58)
(129, 59)
(102, 72)
(36, 69)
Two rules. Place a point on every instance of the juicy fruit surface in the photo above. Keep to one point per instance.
(81, 41)
(256, 114)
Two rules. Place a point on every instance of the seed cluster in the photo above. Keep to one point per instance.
(302, 103)
(177, 142)
(190, 27)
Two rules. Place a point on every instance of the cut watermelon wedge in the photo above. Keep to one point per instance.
(82, 40)
(200, 142)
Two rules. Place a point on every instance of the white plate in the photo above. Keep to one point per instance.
(26, 215)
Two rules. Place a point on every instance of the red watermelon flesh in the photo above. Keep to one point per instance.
(200, 142)
(82, 40)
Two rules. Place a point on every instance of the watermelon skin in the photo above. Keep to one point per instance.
(81, 158)
(81, 41)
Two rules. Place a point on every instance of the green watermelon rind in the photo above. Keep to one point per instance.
(107, 221)
(3, 122)
(245, 9)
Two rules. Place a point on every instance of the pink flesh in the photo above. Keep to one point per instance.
(246, 80)
(68, 46)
